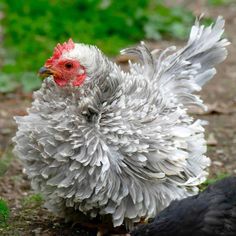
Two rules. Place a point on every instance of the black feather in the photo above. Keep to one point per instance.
(210, 213)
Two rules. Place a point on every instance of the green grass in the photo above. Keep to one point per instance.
(218, 176)
(219, 2)
(4, 213)
(5, 161)
(25, 218)
(32, 28)
(32, 201)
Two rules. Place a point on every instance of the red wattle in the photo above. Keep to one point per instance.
(79, 80)
(60, 82)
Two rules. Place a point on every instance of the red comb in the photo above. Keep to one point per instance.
(58, 50)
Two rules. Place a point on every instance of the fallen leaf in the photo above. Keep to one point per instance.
(217, 163)
(214, 108)
(211, 140)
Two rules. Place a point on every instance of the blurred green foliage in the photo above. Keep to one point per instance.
(32, 28)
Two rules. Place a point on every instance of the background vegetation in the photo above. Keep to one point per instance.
(4, 212)
(32, 28)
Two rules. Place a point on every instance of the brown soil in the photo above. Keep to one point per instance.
(219, 94)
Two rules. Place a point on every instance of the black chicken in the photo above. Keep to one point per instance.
(210, 213)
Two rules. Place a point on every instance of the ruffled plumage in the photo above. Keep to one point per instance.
(122, 144)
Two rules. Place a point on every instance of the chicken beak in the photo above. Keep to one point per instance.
(45, 72)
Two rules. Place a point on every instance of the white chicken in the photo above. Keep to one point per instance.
(101, 142)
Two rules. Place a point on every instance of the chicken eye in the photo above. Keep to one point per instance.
(68, 65)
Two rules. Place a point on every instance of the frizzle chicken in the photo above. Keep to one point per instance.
(100, 142)
(210, 213)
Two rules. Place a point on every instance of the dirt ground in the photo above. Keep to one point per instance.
(27, 215)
